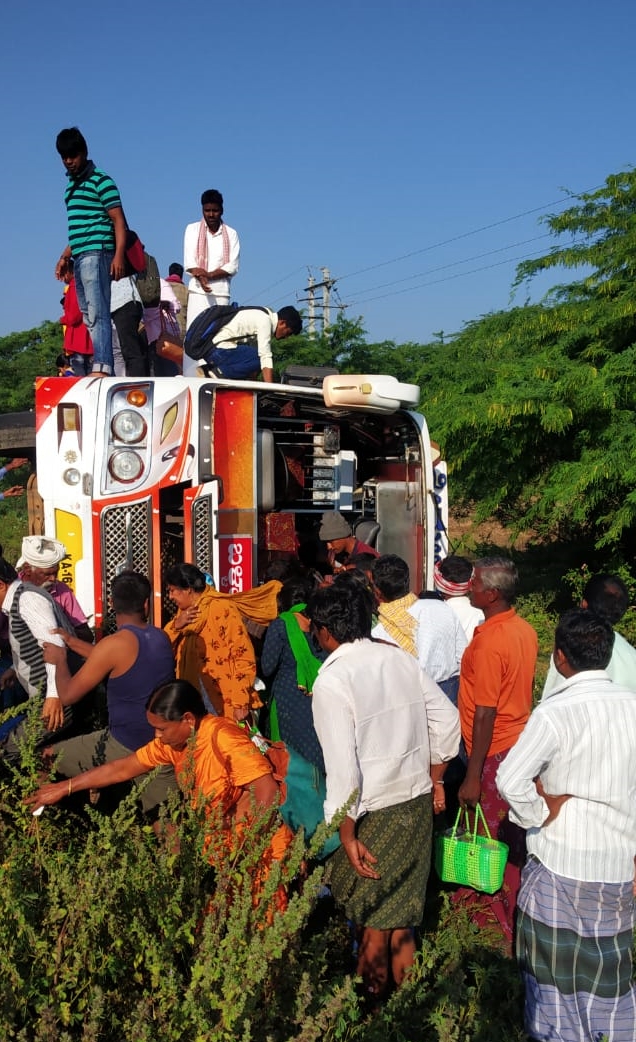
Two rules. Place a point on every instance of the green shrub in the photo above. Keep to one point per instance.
(108, 933)
(535, 608)
(14, 520)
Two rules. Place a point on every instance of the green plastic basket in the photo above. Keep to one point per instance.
(469, 859)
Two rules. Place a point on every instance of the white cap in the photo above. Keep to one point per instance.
(41, 552)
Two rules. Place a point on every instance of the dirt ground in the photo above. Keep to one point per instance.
(465, 534)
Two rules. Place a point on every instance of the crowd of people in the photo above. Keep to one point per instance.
(406, 707)
(120, 317)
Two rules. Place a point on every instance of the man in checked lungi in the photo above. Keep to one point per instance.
(571, 782)
(387, 732)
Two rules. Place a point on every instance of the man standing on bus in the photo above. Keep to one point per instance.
(210, 256)
(96, 242)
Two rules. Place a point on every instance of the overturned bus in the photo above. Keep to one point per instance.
(143, 473)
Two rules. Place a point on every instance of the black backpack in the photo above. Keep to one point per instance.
(199, 337)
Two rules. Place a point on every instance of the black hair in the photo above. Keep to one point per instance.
(185, 577)
(347, 576)
(176, 269)
(291, 317)
(296, 590)
(363, 562)
(70, 142)
(391, 577)
(129, 592)
(608, 596)
(211, 195)
(283, 569)
(175, 698)
(62, 361)
(585, 638)
(8, 573)
(456, 569)
(343, 609)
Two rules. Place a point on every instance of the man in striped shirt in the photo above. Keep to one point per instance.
(96, 242)
(570, 781)
(32, 617)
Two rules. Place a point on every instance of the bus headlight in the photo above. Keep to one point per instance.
(72, 476)
(129, 426)
(125, 465)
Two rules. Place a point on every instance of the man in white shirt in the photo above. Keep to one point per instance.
(387, 732)
(608, 596)
(211, 252)
(32, 616)
(570, 780)
(243, 346)
(425, 628)
(451, 577)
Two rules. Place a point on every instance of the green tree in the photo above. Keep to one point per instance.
(535, 406)
(335, 348)
(23, 357)
(345, 347)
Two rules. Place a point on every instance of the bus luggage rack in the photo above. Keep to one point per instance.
(312, 471)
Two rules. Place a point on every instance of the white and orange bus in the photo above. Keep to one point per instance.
(143, 473)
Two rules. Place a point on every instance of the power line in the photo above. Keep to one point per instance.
(464, 235)
(436, 282)
(448, 278)
(360, 299)
(445, 242)
(277, 283)
(455, 264)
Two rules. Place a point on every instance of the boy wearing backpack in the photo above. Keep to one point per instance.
(236, 343)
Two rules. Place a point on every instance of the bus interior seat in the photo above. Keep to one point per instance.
(367, 531)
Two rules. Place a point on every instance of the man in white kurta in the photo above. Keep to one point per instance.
(211, 257)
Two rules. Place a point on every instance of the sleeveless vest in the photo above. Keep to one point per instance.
(127, 694)
(30, 666)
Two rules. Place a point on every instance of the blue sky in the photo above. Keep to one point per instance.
(373, 139)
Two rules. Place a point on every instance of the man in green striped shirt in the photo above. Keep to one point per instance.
(96, 242)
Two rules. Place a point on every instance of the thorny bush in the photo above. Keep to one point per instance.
(109, 934)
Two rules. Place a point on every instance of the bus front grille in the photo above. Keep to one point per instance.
(126, 537)
(202, 533)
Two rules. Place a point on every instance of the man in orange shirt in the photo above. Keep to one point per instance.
(495, 700)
